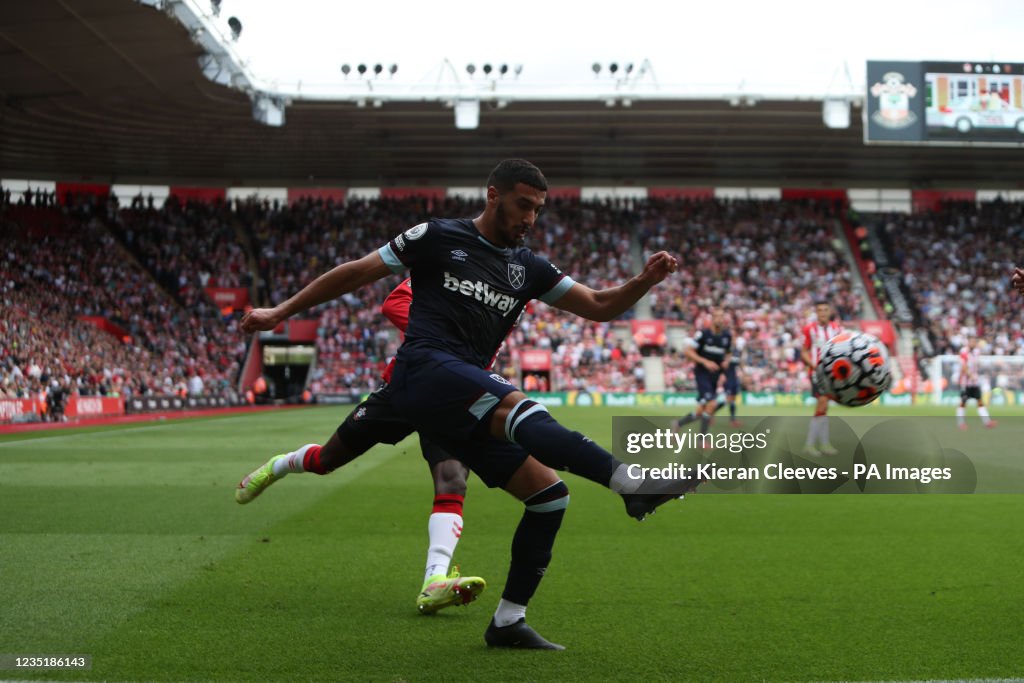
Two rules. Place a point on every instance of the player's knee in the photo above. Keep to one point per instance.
(518, 414)
(450, 478)
(552, 498)
(505, 407)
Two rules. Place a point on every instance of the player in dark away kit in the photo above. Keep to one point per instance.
(711, 351)
(472, 279)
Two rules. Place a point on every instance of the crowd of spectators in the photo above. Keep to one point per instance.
(956, 263)
(296, 243)
(592, 242)
(63, 263)
(766, 263)
(188, 247)
(146, 270)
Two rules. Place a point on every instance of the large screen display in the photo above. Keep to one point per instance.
(950, 103)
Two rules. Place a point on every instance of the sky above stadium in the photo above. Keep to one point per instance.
(795, 47)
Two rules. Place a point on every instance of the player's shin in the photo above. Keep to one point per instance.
(531, 550)
(295, 461)
(444, 529)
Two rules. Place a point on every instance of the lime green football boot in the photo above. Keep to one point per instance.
(441, 591)
(257, 481)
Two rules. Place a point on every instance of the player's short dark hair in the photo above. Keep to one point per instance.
(822, 302)
(511, 171)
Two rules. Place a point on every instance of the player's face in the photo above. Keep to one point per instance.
(516, 212)
(717, 318)
(824, 312)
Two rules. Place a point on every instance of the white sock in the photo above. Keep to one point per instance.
(508, 613)
(960, 412)
(621, 482)
(983, 412)
(444, 529)
(812, 432)
(292, 462)
(823, 429)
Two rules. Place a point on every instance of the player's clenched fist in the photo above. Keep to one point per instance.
(260, 319)
(1018, 279)
(658, 267)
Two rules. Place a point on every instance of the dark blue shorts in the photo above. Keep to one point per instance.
(440, 394)
(450, 403)
(707, 384)
(376, 420)
(493, 460)
(732, 382)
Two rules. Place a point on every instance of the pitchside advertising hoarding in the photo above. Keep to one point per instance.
(945, 103)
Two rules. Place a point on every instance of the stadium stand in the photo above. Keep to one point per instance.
(955, 262)
(766, 261)
(63, 264)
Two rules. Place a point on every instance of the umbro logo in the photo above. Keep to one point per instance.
(459, 255)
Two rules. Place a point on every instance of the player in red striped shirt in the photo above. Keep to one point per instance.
(970, 386)
(445, 525)
(370, 423)
(814, 336)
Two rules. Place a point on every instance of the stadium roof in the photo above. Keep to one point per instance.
(112, 91)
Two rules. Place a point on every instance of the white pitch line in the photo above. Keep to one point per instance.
(127, 430)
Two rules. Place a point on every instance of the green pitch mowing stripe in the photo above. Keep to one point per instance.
(316, 580)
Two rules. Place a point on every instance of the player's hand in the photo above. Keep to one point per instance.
(658, 268)
(260, 319)
(1018, 279)
(711, 365)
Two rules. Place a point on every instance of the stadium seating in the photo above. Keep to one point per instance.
(766, 262)
(956, 263)
(63, 264)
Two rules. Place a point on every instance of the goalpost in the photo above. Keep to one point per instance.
(1001, 378)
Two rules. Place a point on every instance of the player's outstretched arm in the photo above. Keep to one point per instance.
(602, 305)
(340, 280)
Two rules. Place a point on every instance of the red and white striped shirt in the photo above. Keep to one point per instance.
(968, 367)
(815, 336)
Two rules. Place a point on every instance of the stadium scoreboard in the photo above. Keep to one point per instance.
(944, 103)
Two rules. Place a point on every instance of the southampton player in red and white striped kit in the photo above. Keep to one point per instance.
(970, 387)
(814, 336)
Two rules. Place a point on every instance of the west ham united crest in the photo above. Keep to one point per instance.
(516, 275)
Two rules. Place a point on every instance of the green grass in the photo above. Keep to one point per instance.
(126, 544)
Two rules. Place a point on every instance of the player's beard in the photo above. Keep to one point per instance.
(506, 229)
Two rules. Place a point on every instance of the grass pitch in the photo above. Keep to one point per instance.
(126, 544)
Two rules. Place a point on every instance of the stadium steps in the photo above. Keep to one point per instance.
(842, 244)
(643, 310)
(654, 373)
(244, 237)
(654, 366)
(131, 255)
(675, 336)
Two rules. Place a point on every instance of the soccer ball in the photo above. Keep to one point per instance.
(853, 370)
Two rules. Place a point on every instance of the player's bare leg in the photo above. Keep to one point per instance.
(308, 458)
(730, 400)
(986, 419)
